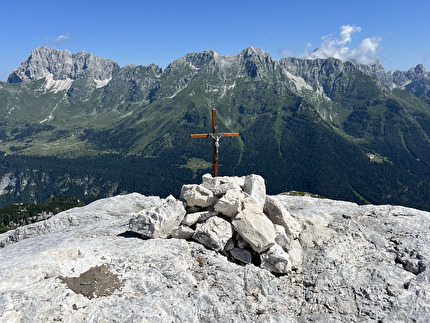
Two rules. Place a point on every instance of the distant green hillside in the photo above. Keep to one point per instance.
(18, 214)
(320, 126)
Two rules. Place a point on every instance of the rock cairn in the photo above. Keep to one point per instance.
(231, 215)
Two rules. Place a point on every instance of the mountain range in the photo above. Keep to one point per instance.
(81, 125)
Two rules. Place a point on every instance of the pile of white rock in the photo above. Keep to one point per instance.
(231, 215)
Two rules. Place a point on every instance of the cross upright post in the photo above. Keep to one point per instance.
(215, 135)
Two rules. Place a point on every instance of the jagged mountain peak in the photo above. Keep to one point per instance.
(254, 51)
(60, 68)
(200, 59)
(418, 70)
(42, 61)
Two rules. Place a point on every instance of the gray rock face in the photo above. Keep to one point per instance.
(359, 264)
(315, 71)
(231, 203)
(241, 255)
(256, 188)
(193, 218)
(99, 210)
(159, 221)
(255, 229)
(197, 195)
(279, 215)
(213, 233)
(62, 65)
(182, 232)
(276, 260)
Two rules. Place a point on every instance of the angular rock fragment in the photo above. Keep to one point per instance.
(281, 237)
(222, 189)
(256, 229)
(240, 242)
(220, 184)
(254, 186)
(276, 260)
(197, 195)
(241, 255)
(250, 204)
(159, 221)
(278, 214)
(231, 243)
(193, 218)
(183, 232)
(296, 254)
(231, 203)
(214, 233)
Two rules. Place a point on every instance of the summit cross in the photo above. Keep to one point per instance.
(215, 140)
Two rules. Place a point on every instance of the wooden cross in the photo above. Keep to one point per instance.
(215, 140)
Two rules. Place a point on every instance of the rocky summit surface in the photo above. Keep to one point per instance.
(223, 252)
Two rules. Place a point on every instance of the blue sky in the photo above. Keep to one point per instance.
(144, 32)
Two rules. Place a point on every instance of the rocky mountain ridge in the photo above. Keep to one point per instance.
(415, 80)
(320, 126)
(60, 68)
(358, 263)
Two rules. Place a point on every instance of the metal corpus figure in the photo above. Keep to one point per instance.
(215, 140)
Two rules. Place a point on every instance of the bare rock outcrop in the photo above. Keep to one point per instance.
(349, 263)
(159, 221)
(241, 202)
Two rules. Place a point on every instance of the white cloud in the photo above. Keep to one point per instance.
(336, 45)
(61, 38)
(58, 40)
(345, 34)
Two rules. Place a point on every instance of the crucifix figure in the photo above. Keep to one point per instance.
(215, 140)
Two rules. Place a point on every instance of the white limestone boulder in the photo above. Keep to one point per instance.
(214, 233)
(256, 229)
(159, 221)
(231, 203)
(278, 214)
(276, 260)
(250, 204)
(222, 183)
(193, 218)
(222, 189)
(254, 186)
(197, 195)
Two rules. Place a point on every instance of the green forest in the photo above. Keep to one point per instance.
(18, 214)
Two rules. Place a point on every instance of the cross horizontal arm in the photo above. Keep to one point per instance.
(199, 135)
(230, 134)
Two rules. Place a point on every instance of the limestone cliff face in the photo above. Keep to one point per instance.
(60, 65)
(358, 263)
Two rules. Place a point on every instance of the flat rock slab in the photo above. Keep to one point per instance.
(256, 229)
(359, 264)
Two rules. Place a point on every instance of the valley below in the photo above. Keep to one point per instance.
(91, 129)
